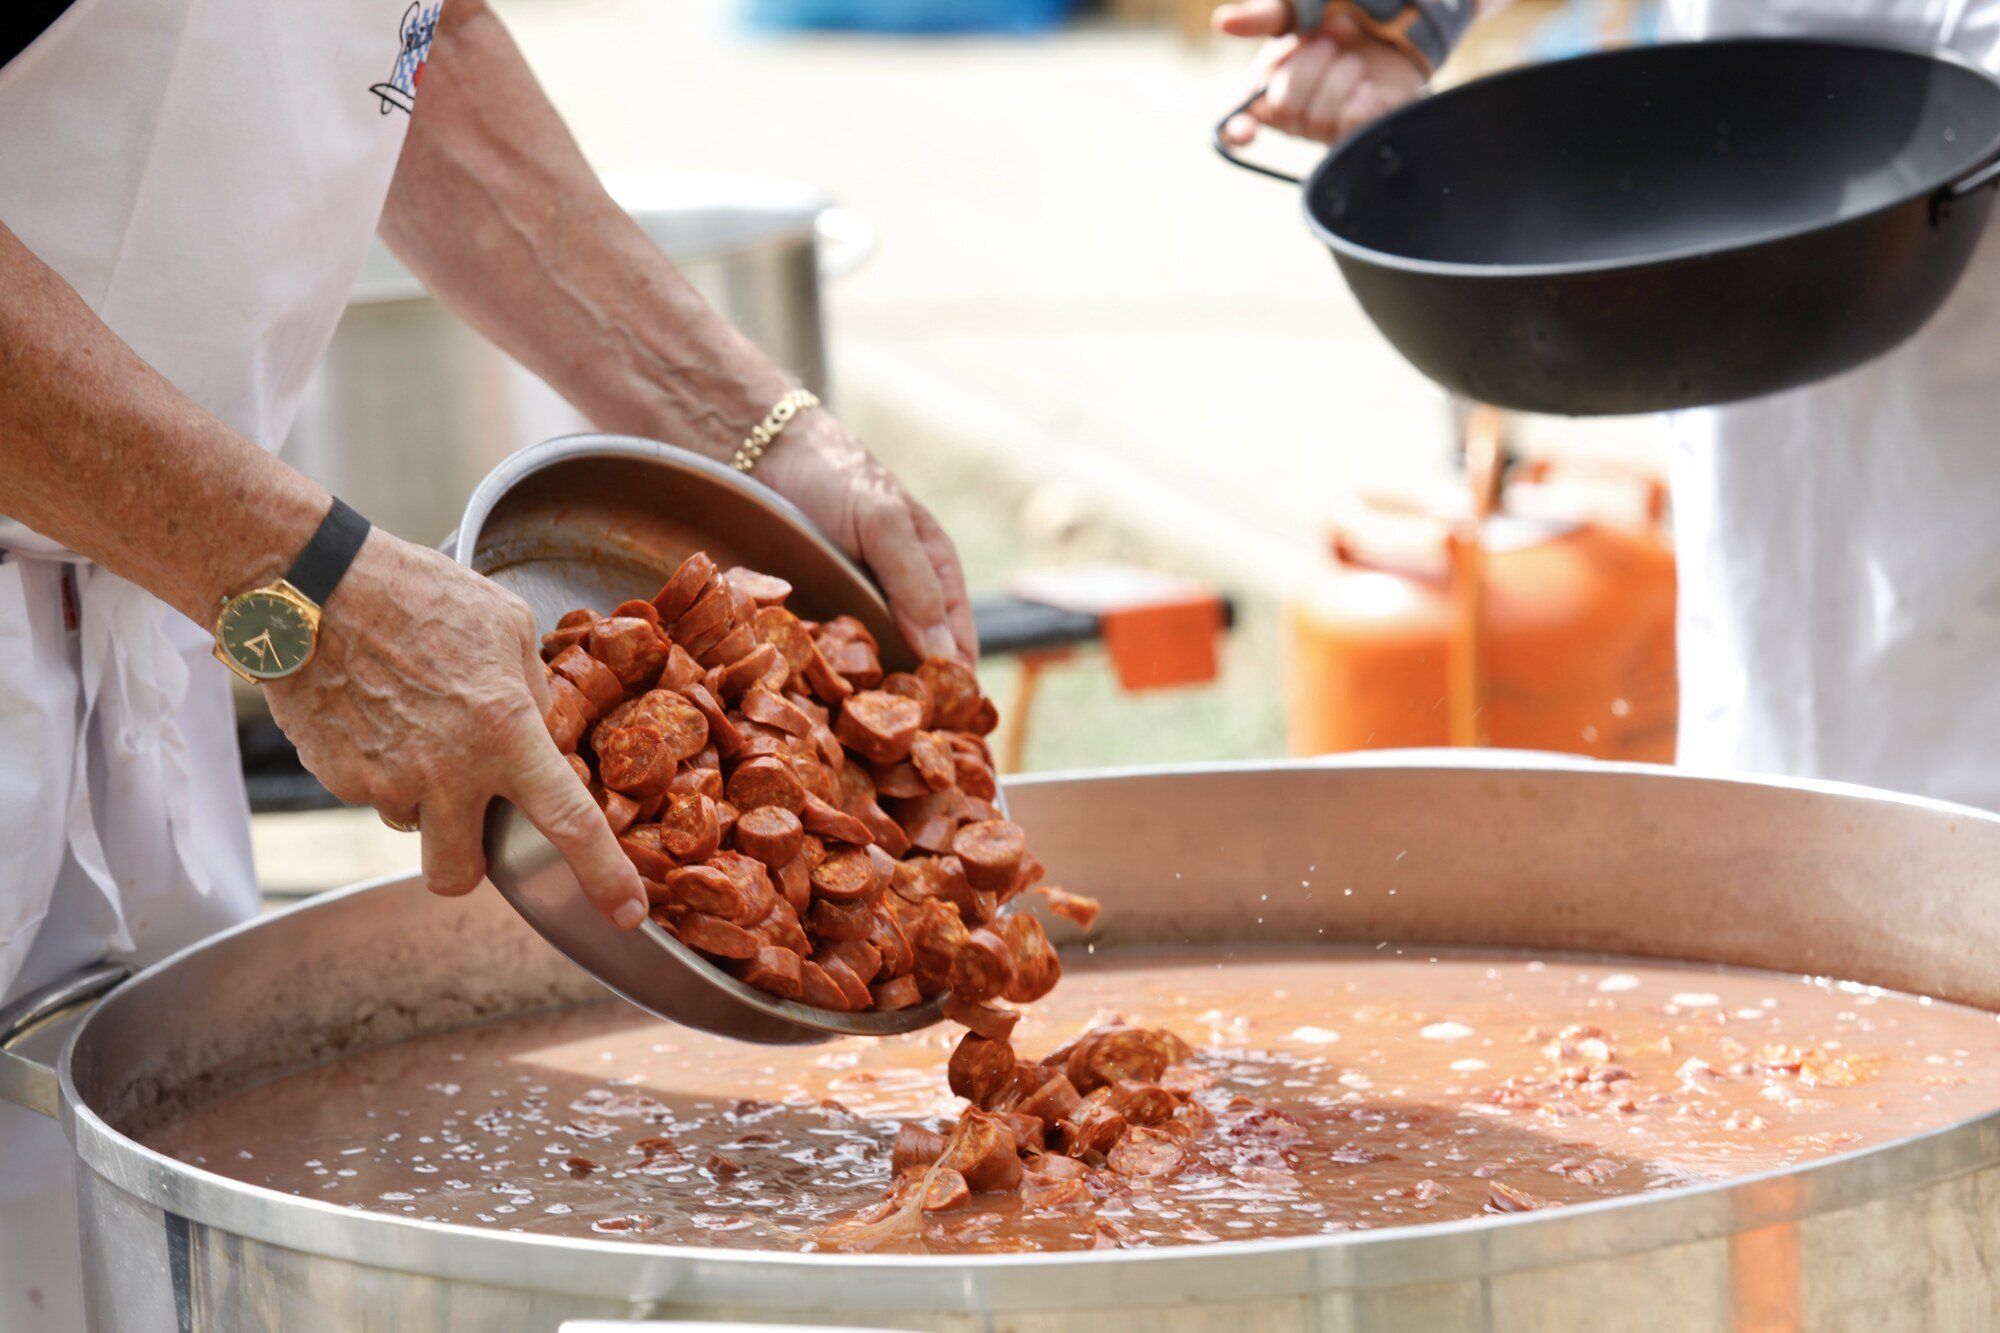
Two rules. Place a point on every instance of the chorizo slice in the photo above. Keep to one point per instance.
(931, 755)
(884, 831)
(620, 810)
(954, 691)
(696, 782)
(1055, 1098)
(727, 815)
(833, 922)
(891, 945)
(638, 609)
(721, 731)
(748, 670)
(1074, 907)
(581, 618)
(769, 833)
(767, 780)
(690, 827)
(1143, 1103)
(794, 881)
(834, 825)
(566, 716)
(857, 956)
(991, 852)
(899, 781)
(733, 646)
(851, 986)
(1033, 967)
(931, 821)
(631, 647)
(782, 630)
(646, 858)
(679, 670)
(985, 719)
(681, 725)
(702, 626)
(775, 970)
(751, 877)
(895, 993)
(824, 681)
(558, 641)
(760, 705)
(915, 1146)
(1147, 1153)
(877, 725)
(712, 935)
(782, 927)
(814, 710)
(1029, 1132)
(980, 1068)
(848, 875)
(990, 1021)
(635, 760)
(685, 585)
(855, 660)
(820, 990)
(708, 890)
(935, 934)
(985, 1153)
(845, 628)
(981, 967)
(911, 687)
(599, 684)
(974, 776)
(761, 589)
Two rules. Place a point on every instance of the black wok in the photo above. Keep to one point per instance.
(1666, 226)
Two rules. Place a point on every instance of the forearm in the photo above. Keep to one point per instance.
(101, 453)
(495, 209)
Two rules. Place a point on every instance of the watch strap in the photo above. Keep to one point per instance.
(324, 561)
(1425, 30)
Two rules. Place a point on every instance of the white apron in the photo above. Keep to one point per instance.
(1840, 544)
(207, 175)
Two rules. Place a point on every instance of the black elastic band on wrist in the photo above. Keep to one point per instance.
(320, 567)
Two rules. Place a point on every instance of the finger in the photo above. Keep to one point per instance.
(546, 789)
(1325, 113)
(951, 578)
(1240, 130)
(454, 833)
(892, 549)
(1292, 87)
(1254, 18)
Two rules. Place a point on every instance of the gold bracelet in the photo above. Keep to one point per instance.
(760, 436)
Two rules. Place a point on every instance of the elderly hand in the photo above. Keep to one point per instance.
(861, 506)
(1322, 85)
(424, 700)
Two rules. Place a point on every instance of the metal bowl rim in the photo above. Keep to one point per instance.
(1390, 1256)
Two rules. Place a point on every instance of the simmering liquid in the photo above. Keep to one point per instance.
(1350, 1091)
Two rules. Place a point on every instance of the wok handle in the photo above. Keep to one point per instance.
(1229, 153)
(28, 1082)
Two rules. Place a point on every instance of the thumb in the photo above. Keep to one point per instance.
(1254, 18)
(548, 793)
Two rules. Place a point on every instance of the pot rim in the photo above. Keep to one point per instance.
(1424, 1253)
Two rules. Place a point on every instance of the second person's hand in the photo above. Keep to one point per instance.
(1322, 85)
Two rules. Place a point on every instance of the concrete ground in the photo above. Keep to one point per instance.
(1081, 334)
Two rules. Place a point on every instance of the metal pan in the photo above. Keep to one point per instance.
(1662, 227)
(590, 520)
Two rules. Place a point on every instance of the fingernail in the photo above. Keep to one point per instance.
(939, 643)
(629, 914)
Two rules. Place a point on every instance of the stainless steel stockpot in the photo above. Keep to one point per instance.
(1501, 850)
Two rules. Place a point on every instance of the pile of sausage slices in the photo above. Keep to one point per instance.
(825, 831)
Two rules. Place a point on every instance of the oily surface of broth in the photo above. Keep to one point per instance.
(1350, 1091)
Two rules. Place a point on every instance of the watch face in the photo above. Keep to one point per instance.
(265, 635)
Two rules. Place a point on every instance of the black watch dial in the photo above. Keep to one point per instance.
(266, 635)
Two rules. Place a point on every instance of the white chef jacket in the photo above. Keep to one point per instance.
(207, 175)
(1839, 545)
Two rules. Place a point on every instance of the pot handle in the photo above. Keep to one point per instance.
(1228, 151)
(30, 1083)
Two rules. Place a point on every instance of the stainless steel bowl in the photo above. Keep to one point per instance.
(1499, 850)
(592, 520)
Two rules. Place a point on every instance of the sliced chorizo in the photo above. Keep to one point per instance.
(915, 1146)
(761, 589)
(635, 760)
(782, 927)
(770, 833)
(981, 967)
(980, 1067)
(834, 825)
(1073, 907)
(696, 782)
(1033, 967)
(721, 731)
(991, 852)
(954, 691)
(703, 625)
(820, 990)
(567, 715)
(646, 858)
(858, 956)
(760, 705)
(631, 647)
(751, 877)
(878, 725)
(891, 945)
(886, 832)
(558, 641)
(765, 781)
(848, 875)
(794, 881)
(899, 781)
(682, 588)
(620, 810)
(713, 935)
(931, 755)
(679, 670)
(833, 921)
(895, 993)
(733, 646)
(748, 670)
(708, 890)
(911, 687)
(638, 609)
(855, 660)
(851, 986)
(598, 683)
(681, 725)
(776, 970)
(990, 1021)
(783, 631)
(690, 827)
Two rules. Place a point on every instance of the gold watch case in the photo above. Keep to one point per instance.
(267, 633)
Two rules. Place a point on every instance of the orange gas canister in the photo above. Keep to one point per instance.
(1543, 633)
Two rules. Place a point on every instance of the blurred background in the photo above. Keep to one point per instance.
(1209, 513)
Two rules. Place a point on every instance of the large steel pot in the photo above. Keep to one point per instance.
(410, 408)
(1506, 850)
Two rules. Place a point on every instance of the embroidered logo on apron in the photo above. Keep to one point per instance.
(419, 26)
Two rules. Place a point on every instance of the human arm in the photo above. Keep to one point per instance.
(423, 696)
(496, 210)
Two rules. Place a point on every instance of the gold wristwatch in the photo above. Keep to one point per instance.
(268, 633)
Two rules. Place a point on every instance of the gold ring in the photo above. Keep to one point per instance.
(399, 825)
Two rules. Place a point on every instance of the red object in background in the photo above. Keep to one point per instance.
(1160, 629)
(1551, 631)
